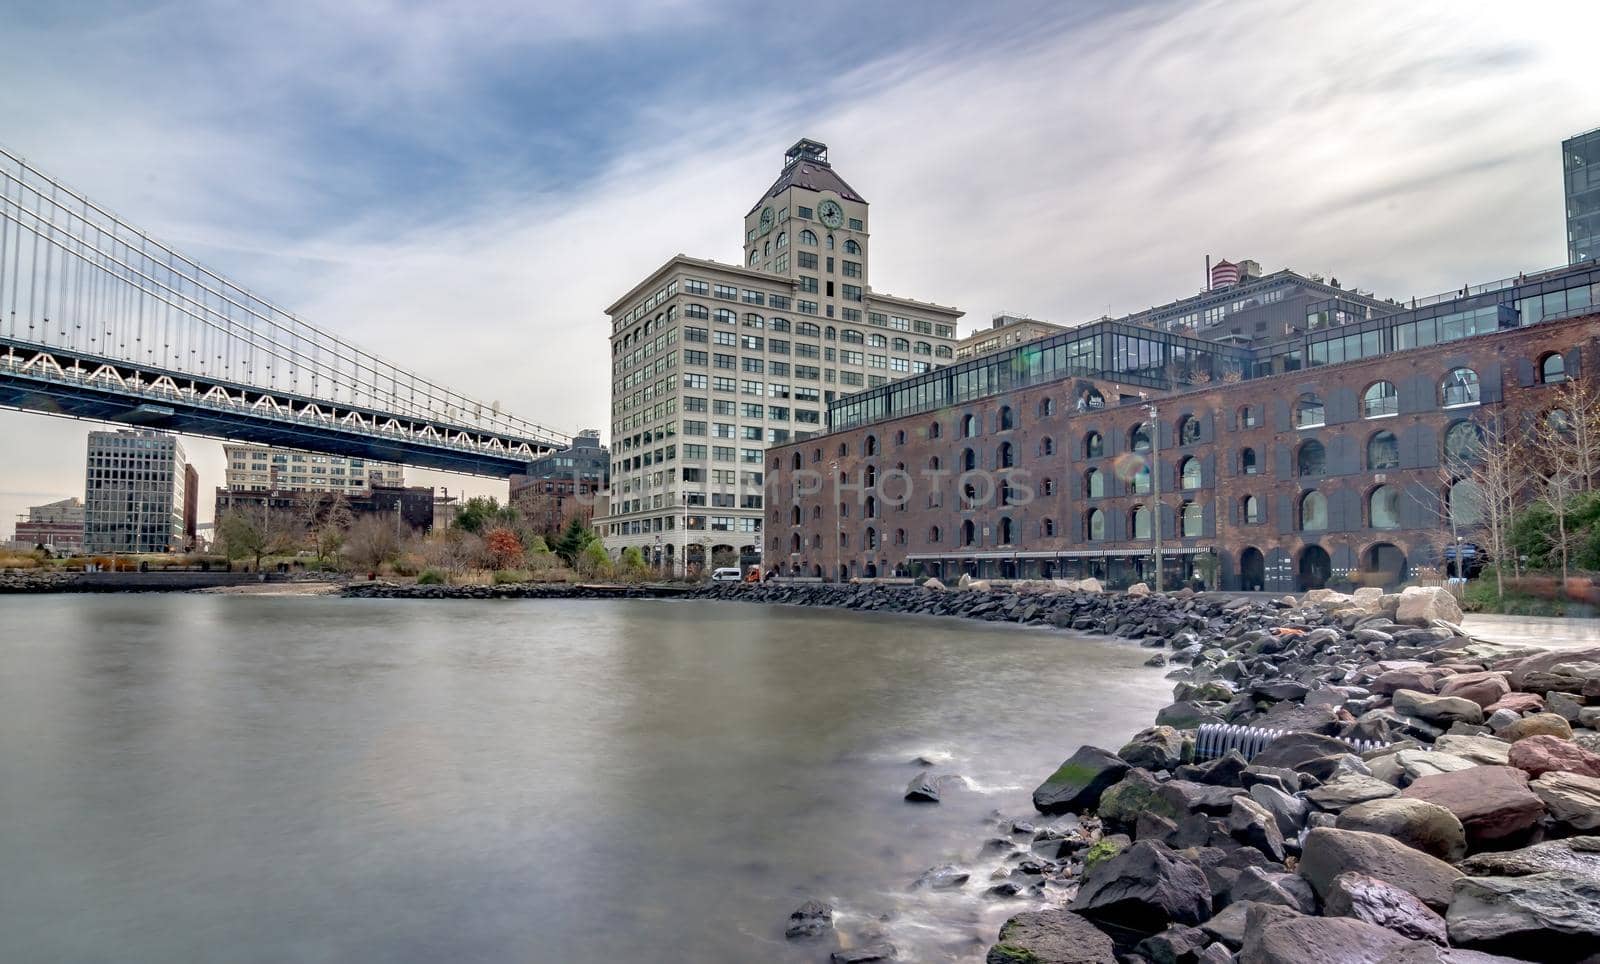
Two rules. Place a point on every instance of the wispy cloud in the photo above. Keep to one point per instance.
(464, 191)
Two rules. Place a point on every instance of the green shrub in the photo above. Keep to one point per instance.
(502, 576)
(431, 577)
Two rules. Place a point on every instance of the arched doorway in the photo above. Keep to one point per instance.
(1252, 570)
(1315, 568)
(1383, 565)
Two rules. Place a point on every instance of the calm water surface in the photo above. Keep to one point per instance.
(217, 778)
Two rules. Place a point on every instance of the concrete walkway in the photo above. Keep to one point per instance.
(1549, 632)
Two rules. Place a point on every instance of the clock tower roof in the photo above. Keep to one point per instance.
(805, 165)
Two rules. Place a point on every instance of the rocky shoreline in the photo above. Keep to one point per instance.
(1465, 833)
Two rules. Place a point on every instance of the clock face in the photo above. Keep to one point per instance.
(830, 213)
(766, 219)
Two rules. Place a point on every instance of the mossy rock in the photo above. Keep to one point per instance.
(1104, 849)
(1011, 954)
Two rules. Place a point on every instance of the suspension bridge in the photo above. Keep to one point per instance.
(100, 321)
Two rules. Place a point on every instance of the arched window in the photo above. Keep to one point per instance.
(1094, 445)
(933, 462)
(783, 239)
(843, 449)
(794, 542)
(933, 534)
(830, 242)
(807, 236)
(1383, 507)
(943, 351)
(1312, 459)
(1250, 510)
(1383, 451)
(870, 539)
(869, 476)
(969, 426)
(1247, 462)
(1140, 518)
(1005, 530)
(1141, 480)
(1047, 407)
(1465, 503)
(1047, 446)
(1047, 528)
(1249, 416)
(1192, 517)
(796, 460)
(1313, 512)
(1007, 420)
(816, 540)
(1558, 422)
(1139, 438)
(969, 460)
(1094, 484)
(1462, 441)
(1380, 399)
(816, 512)
(1094, 526)
(869, 445)
(1189, 476)
(1188, 430)
(794, 516)
(1308, 411)
(1047, 486)
(899, 537)
(1460, 387)
(754, 257)
(850, 247)
(969, 533)
(831, 334)
(933, 430)
(1552, 369)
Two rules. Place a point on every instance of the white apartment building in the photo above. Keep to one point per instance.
(265, 468)
(712, 363)
(135, 484)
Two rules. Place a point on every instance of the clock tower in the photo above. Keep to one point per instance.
(811, 226)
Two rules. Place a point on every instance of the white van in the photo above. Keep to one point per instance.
(726, 574)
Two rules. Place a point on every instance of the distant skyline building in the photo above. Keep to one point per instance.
(264, 468)
(562, 485)
(1003, 332)
(712, 363)
(137, 493)
(1580, 162)
(58, 526)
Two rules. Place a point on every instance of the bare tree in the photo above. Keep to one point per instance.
(1569, 434)
(373, 541)
(1497, 469)
(327, 518)
(254, 531)
(1557, 485)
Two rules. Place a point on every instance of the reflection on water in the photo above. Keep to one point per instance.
(1546, 631)
(315, 779)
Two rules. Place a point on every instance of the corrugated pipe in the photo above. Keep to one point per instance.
(1214, 740)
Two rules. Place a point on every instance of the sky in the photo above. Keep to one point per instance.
(464, 187)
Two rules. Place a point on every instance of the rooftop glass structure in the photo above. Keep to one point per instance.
(1580, 162)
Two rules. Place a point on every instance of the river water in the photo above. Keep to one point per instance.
(236, 778)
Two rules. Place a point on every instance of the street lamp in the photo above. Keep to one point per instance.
(1155, 488)
(838, 525)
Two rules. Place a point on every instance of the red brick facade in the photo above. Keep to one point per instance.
(1052, 525)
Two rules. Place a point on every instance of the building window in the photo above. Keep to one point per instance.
(1047, 486)
(1047, 407)
(1308, 411)
(807, 236)
(1312, 459)
(1465, 504)
(1460, 387)
(1188, 430)
(1313, 512)
(1383, 507)
(969, 460)
(1247, 462)
(933, 430)
(969, 426)
(934, 534)
(1047, 446)
(1141, 480)
(1249, 417)
(1250, 509)
(1193, 519)
(1094, 524)
(1383, 451)
(1189, 475)
(1552, 369)
(1380, 399)
(1094, 445)
(1139, 519)
(1139, 438)
(1462, 442)
(969, 533)
(1007, 421)
(1094, 484)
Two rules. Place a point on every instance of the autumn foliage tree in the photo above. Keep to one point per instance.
(505, 549)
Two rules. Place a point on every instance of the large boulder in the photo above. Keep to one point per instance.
(1404, 766)
(1484, 689)
(1544, 917)
(934, 584)
(1319, 940)
(1260, 886)
(1537, 724)
(1144, 889)
(1077, 784)
(1494, 804)
(1482, 750)
(1231, 922)
(1347, 791)
(1175, 945)
(1138, 589)
(1421, 605)
(1541, 754)
(1570, 798)
(923, 788)
(1421, 953)
(1426, 826)
(1292, 749)
(1288, 811)
(1573, 855)
(1132, 797)
(1255, 826)
(1328, 852)
(1051, 937)
(1155, 748)
(1186, 715)
(1439, 710)
(1376, 902)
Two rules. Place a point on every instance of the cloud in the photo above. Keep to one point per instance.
(1020, 161)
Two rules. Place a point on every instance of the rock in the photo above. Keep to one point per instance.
(1225, 771)
(1402, 767)
(1574, 855)
(1051, 937)
(965, 582)
(1292, 749)
(1550, 916)
(1494, 804)
(1263, 887)
(1155, 748)
(1296, 718)
(923, 788)
(1175, 945)
(1255, 826)
(1105, 848)
(1215, 954)
(1517, 703)
(1131, 797)
(1370, 899)
(1541, 754)
(1325, 768)
(1138, 589)
(1158, 659)
(1287, 781)
(1077, 784)
(864, 954)
(1280, 689)
(1347, 791)
(1442, 710)
(1185, 797)
(1501, 718)
(1222, 866)
(1420, 953)
(1287, 811)
(1421, 605)
(1145, 889)
(1564, 705)
(1328, 852)
(812, 919)
(1483, 750)
(1186, 714)
(1228, 926)
(1319, 940)
(1424, 826)
(1547, 724)
(1484, 689)
(1421, 678)
(933, 584)
(1570, 798)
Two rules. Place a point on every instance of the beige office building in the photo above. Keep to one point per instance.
(1003, 332)
(265, 468)
(712, 363)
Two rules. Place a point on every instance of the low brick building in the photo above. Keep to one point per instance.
(1315, 458)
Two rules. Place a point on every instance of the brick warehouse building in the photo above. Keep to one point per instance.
(1311, 458)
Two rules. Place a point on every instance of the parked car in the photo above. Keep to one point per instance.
(726, 574)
